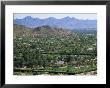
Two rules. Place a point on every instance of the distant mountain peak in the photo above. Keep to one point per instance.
(51, 18)
(67, 17)
(28, 17)
(66, 22)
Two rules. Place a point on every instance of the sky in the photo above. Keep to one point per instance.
(83, 16)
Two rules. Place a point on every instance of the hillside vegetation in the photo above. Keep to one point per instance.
(53, 51)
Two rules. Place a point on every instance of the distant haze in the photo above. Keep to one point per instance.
(83, 16)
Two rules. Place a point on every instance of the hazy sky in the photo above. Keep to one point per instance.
(91, 16)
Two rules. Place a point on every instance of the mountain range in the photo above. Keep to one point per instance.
(66, 22)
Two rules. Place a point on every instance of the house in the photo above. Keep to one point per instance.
(90, 49)
(60, 62)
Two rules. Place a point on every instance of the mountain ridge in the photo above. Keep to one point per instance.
(66, 22)
(45, 30)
